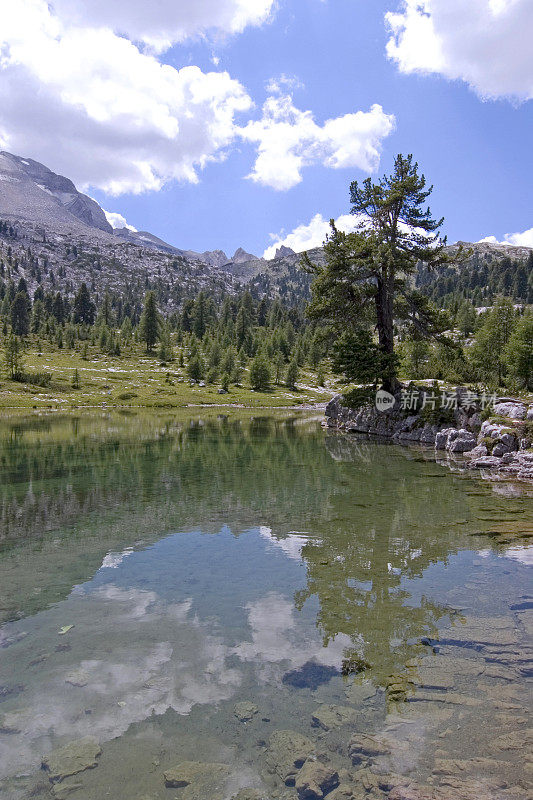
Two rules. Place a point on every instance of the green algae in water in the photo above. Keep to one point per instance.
(201, 560)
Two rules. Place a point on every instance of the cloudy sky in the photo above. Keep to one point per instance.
(227, 123)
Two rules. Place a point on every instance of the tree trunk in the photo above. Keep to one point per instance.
(385, 325)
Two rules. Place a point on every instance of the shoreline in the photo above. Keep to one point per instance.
(492, 448)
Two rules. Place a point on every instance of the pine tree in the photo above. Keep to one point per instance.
(149, 324)
(20, 314)
(166, 352)
(126, 330)
(519, 352)
(84, 309)
(279, 366)
(488, 353)
(365, 281)
(199, 315)
(13, 362)
(292, 374)
(195, 369)
(260, 373)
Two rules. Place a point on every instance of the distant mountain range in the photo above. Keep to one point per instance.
(60, 237)
(30, 192)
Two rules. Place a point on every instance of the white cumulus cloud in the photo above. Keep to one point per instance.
(523, 239)
(164, 22)
(312, 234)
(486, 43)
(289, 139)
(92, 105)
(83, 90)
(116, 220)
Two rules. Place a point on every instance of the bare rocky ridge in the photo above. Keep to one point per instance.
(32, 193)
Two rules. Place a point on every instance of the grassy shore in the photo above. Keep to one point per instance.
(136, 380)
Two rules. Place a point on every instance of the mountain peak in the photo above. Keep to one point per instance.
(283, 251)
(240, 256)
(32, 191)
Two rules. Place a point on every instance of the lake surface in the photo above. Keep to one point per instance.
(157, 572)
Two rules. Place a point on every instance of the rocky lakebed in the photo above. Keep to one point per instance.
(258, 608)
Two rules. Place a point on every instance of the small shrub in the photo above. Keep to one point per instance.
(260, 376)
(524, 430)
(41, 379)
(359, 396)
(212, 375)
(225, 382)
(292, 375)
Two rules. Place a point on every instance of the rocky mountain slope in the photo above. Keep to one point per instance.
(53, 235)
(32, 194)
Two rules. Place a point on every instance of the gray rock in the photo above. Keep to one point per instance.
(343, 792)
(513, 410)
(499, 450)
(11, 722)
(486, 462)
(74, 757)
(78, 678)
(507, 458)
(331, 716)
(461, 442)
(441, 439)
(428, 434)
(287, 753)
(362, 747)
(245, 711)
(249, 794)
(475, 420)
(315, 780)
(478, 451)
(63, 790)
(204, 779)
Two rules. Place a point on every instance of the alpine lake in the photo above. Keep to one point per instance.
(207, 606)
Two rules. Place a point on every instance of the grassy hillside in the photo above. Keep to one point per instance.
(136, 380)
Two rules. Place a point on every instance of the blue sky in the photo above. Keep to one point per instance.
(461, 105)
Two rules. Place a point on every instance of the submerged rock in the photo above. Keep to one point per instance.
(63, 790)
(249, 794)
(10, 691)
(205, 779)
(476, 631)
(363, 747)
(398, 688)
(315, 780)
(359, 693)
(10, 722)
(343, 792)
(434, 675)
(331, 716)
(78, 678)
(310, 676)
(287, 753)
(245, 711)
(71, 759)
